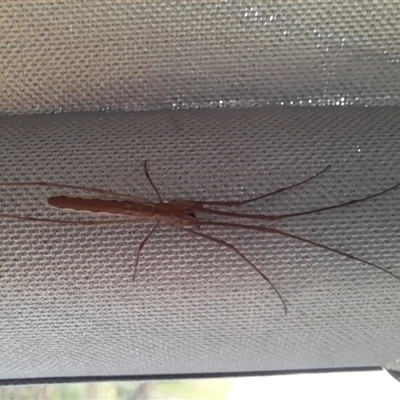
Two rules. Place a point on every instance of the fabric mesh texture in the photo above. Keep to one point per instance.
(68, 303)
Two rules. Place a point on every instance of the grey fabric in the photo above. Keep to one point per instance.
(68, 305)
(101, 55)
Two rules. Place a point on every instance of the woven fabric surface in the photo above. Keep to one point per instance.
(68, 303)
(131, 55)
